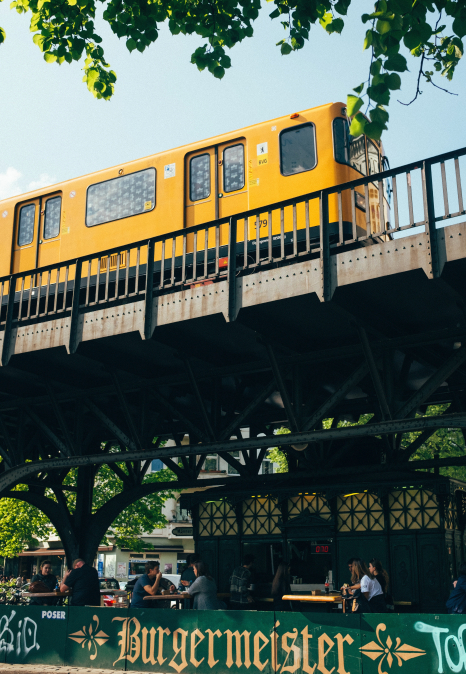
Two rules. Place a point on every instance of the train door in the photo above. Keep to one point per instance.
(216, 184)
(49, 230)
(26, 236)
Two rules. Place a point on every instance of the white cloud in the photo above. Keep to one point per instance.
(44, 181)
(11, 183)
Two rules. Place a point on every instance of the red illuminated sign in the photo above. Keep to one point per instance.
(320, 549)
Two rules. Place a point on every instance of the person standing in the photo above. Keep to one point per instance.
(84, 581)
(240, 595)
(45, 576)
(281, 586)
(456, 602)
(147, 586)
(204, 589)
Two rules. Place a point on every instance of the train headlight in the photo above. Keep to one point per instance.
(360, 201)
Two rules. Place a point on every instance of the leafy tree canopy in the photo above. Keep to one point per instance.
(397, 30)
(23, 525)
(444, 443)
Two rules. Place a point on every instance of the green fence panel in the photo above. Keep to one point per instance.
(96, 637)
(318, 642)
(236, 641)
(431, 644)
(33, 634)
(160, 640)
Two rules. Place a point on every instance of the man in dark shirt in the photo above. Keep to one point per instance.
(84, 581)
(188, 576)
(240, 595)
(147, 586)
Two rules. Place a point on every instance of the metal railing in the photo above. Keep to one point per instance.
(366, 211)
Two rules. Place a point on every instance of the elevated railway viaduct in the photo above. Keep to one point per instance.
(102, 367)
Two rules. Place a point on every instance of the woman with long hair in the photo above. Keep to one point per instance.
(368, 595)
(281, 586)
(377, 571)
(204, 589)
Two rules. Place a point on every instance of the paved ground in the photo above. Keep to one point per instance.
(50, 669)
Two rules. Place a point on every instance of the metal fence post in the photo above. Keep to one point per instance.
(9, 321)
(74, 340)
(232, 270)
(326, 287)
(149, 289)
(436, 263)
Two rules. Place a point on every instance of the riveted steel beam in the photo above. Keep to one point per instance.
(432, 384)
(14, 475)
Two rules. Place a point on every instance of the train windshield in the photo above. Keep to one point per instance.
(349, 150)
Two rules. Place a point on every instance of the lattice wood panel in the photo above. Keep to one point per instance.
(316, 504)
(217, 518)
(413, 509)
(359, 512)
(261, 516)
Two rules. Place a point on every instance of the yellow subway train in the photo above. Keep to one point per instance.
(194, 184)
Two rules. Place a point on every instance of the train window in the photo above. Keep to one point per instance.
(341, 140)
(348, 150)
(52, 218)
(199, 177)
(233, 168)
(297, 149)
(27, 216)
(373, 157)
(121, 197)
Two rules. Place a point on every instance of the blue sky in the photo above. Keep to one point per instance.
(53, 129)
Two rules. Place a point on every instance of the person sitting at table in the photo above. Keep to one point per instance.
(84, 581)
(150, 584)
(204, 589)
(188, 576)
(367, 592)
(281, 586)
(46, 577)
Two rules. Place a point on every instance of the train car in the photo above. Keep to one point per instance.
(194, 184)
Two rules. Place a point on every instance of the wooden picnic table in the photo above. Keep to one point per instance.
(328, 599)
(175, 597)
(38, 595)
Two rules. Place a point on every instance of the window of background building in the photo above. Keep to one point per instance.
(267, 467)
(373, 157)
(156, 465)
(231, 469)
(182, 515)
(211, 463)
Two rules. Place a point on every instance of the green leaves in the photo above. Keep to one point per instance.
(396, 62)
(358, 125)
(2, 35)
(353, 104)
(64, 31)
(393, 81)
